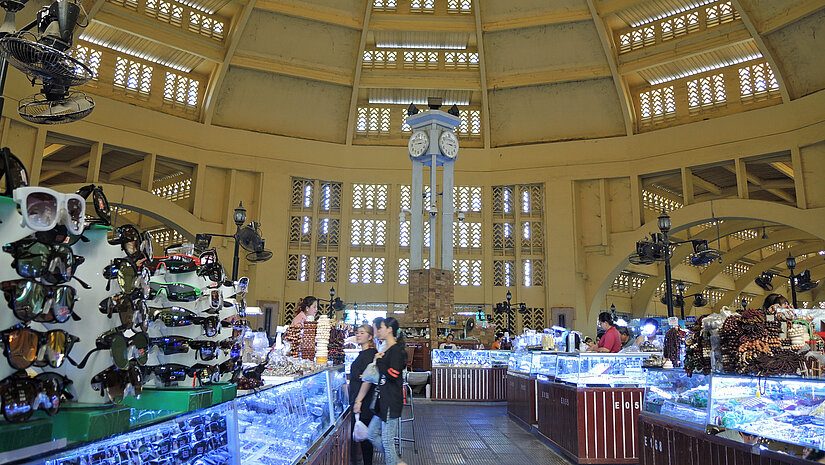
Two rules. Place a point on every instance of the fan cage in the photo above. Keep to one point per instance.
(39, 110)
(43, 63)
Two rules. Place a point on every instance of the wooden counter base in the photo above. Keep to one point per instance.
(469, 384)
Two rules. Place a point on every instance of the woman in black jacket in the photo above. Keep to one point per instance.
(360, 393)
(390, 363)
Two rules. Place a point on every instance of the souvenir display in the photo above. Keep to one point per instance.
(675, 395)
(601, 369)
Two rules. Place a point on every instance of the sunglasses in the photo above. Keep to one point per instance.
(205, 350)
(24, 347)
(101, 204)
(174, 263)
(43, 209)
(32, 301)
(215, 299)
(177, 316)
(123, 349)
(133, 242)
(52, 264)
(132, 281)
(132, 311)
(176, 292)
(169, 373)
(22, 395)
(13, 172)
(119, 383)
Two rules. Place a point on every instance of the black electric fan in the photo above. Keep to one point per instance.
(249, 237)
(469, 325)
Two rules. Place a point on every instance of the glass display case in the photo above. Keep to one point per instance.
(349, 356)
(543, 365)
(205, 436)
(790, 410)
(520, 361)
(601, 369)
(469, 358)
(676, 396)
(280, 425)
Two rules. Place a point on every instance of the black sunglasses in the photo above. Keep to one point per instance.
(24, 347)
(21, 394)
(173, 263)
(121, 347)
(133, 280)
(204, 349)
(32, 301)
(137, 245)
(168, 373)
(131, 310)
(177, 316)
(52, 264)
(118, 383)
(104, 213)
(13, 172)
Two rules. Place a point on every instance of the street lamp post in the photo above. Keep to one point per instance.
(509, 316)
(664, 226)
(240, 218)
(331, 297)
(680, 286)
(790, 262)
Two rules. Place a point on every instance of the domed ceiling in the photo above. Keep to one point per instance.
(521, 71)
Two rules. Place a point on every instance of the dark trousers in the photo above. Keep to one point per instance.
(365, 445)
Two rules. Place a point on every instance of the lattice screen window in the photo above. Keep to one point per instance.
(406, 197)
(679, 25)
(404, 236)
(459, 6)
(384, 5)
(470, 123)
(329, 231)
(706, 92)
(532, 200)
(467, 272)
(300, 231)
(370, 197)
(656, 202)
(379, 59)
(713, 295)
(503, 238)
(503, 200)
(403, 271)
(206, 26)
(297, 267)
(132, 75)
(657, 104)
(532, 237)
(720, 13)
(746, 235)
(288, 314)
(404, 126)
(757, 82)
(181, 89)
(637, 38)
(330, 193)
(421, 59)
(533, 319)
(467, 235)
(373, 120)
(504, 273)
(366, 270)
(178, 190)
(166, 12)
(500, 320)
(627, 282)
(532, 272)
(737, 269)
(368, 233)
(302, 194)
(422, 6)
(130, 4)
(467, 199)
(164, 237)
(89, 56)
(461, 60)
(326, 269)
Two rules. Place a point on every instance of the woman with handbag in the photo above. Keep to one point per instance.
(390, 364)
(361, 392)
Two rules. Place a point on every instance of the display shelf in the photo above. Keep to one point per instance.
(171, 398)
(674, 395)
(79, 423)
(21, 435)
(783, 409)
(469, 358)
(601, 369)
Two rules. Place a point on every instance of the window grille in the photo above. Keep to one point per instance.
(627, 282)
(532, 200)
(302, 194)
(706, 92)
(467, 199)
(459, 6)
(737, 269)
(326, 269)
(657, 203)
(297, 267)
(757, 82)
(467, 272)
(181, 89)
(133, 76)
(383, 5)
(504, 273)
(469, 123)
(503, 238)
(503, 200)
(421, 59)
(720, 13)
(366, 270)
(369, 197)
(422, 6)
(406, 197)
(379, 59)
(175, 191)
(404, 126)
(373, 120)
(533, 272)
(89, 56)
(368, 233)
(330, 193)
(300, 231)
(130, 4)
(329, 231)
(403, 271)
(166, 12)
(532, 237)
(206, 26)
(467, 235)
(657, 104)
(164, 237)
(461, 60)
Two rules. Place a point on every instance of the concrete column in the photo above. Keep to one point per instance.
(417, 216)
(447, 217)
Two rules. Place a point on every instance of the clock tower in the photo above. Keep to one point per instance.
(433, 143)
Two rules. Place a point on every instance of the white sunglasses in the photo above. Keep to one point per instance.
(43, 209)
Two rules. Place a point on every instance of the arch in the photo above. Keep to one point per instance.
(603, 269)
(147, 203)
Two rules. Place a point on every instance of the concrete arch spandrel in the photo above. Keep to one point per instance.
(147, 203)
(603, 269)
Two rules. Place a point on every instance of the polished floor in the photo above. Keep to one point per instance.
(471, 434)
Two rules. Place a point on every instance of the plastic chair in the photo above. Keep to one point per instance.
(408, 402)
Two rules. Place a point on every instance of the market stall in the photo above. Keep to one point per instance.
(469, 375)
(522, 369)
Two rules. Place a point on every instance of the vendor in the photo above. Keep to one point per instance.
(775, 299)
(611, 341)
(308, 306)
(497, 343)
(627, 339)
(449, 344)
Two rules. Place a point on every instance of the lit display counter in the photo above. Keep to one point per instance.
(522, 370)
(674, 396)
(590, 411)
(469, 375)
(305, 421)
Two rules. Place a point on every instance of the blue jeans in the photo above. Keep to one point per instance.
(382, 435)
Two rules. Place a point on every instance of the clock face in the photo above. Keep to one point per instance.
(418, 143)
(448, 143)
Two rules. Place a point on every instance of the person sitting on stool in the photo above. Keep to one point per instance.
(449, 344)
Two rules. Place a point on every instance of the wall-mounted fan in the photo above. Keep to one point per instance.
(804, 283)
(702, 254)
(55, 107)
(249, 237)
(699, 300)
(764, 281)
(469, 325)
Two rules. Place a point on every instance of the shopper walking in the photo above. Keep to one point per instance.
(390, 363)
(360, 393)
(308, 306)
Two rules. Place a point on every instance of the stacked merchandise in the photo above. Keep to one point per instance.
(336, 344)
(322, 333)
(293, 338)
(673, 346)
(308, 340)
(697, 353)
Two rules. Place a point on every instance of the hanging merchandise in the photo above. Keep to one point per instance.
(22, 394)
(24, 347)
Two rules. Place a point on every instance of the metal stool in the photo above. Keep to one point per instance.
(408, 402)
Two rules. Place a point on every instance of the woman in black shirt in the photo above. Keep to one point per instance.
(360, 393)
(390, 363)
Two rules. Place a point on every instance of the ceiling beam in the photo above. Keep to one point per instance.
(547, 76)
(789, 15)
(356, 79)
(763, 47)
(51, 149)
(46, 175)
(482, 71)
(312, 12)
(62, 168)
(518, 22)
(219, 73)
(611, 55)
(315, 72)
(80, 160)
(783, 168)
(407, 79)
(759, 182)
(708, 186)
(125, 171)
(607, 7)
(421, 23)
(691, 45)
(160, 33)
(662, 178)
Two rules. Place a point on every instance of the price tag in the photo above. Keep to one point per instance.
(673, 321)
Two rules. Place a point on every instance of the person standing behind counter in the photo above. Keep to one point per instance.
(611, 341)
(360, 393)
(308, 306)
